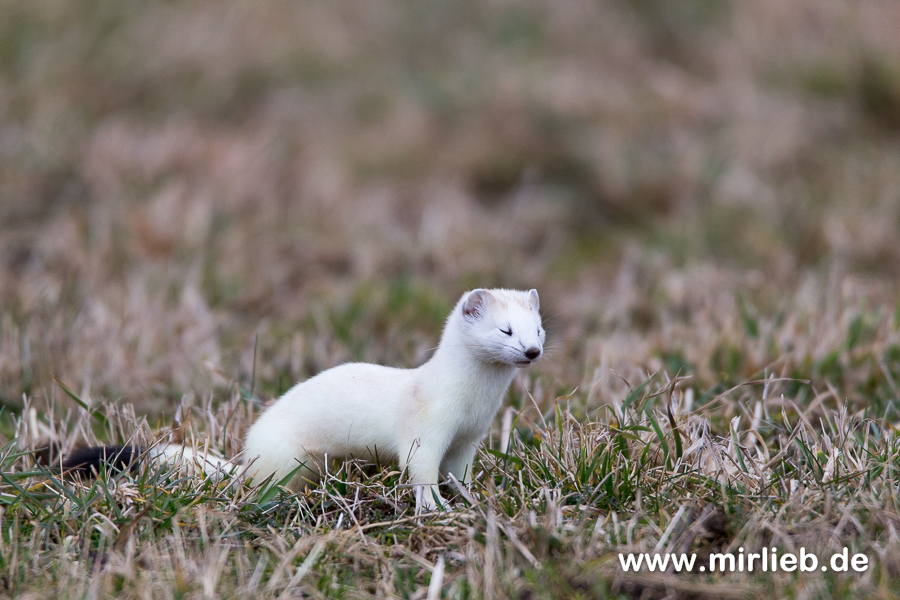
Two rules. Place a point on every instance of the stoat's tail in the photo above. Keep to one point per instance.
(88, 461)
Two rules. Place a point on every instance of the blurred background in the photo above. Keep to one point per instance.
(197, 193)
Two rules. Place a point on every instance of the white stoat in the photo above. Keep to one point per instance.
(429, 419)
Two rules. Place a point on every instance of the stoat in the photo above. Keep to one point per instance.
(430, 419)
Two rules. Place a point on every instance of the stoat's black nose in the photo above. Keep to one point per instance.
(532, 353)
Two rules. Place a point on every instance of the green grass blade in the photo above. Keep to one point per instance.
(92, 412)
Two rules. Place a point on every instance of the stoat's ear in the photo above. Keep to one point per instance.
(535, 301)
(474, 306)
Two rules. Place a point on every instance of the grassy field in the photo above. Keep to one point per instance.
(204, 202)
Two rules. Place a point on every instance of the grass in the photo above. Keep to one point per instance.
(651, 471)
(203, 203)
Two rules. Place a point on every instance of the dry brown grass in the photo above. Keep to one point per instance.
(204, 202)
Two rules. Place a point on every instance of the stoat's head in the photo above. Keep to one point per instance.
(502, 326)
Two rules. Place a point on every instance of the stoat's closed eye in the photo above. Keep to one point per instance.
(507, 331)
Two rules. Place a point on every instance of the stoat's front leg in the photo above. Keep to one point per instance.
(423, 465)
(458, 461)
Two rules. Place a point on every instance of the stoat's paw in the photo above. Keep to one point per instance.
(429, 501)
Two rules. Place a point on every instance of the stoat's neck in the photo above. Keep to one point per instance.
(454, 373)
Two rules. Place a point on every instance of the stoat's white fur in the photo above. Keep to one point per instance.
(429, 419)
(190, 461)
